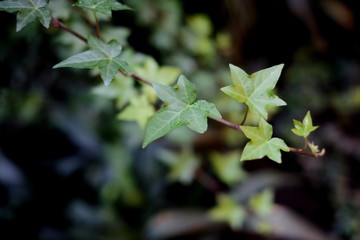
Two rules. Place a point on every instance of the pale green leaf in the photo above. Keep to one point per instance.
(305, 128)
(101, 6)
(138, 110)
(261, 144)
(121, 89)
(180, 108)
(164, 75)
(227, 167)
(104, 56)
(228, 210)
(28, 11)
(182, 165)
(263, 202)
(255, 90)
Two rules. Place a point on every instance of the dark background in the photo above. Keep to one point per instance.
(54, 133)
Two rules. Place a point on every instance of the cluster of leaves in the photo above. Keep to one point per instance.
(180, 105)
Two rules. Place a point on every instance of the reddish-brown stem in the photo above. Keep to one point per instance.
(58, 24)
(227, 123)
(141, 79)
(303, 152)
(245, 116)
(97, 26)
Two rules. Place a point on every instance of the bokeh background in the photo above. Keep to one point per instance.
(70, 169)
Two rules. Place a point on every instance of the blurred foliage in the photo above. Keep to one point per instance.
(70, 169)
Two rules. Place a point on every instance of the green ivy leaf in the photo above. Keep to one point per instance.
(255, 90)
(261, 143)
(101, 6)
(180, 108)
(305, 128)
(228, 210)
(104, 56)
(227, 167)
(139, 110)
(28, 11)
(164, 75)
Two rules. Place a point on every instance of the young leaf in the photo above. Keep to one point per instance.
(104, 56)
(261, 144)
(305, 128)
(28, 11)
(139, 110)
(228, 210)
(101, 6)
(180, 108)
(255, 89)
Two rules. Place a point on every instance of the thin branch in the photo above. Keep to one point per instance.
(97, 26)
(304, 152)
(141, 79)
(227, 123)
(245, 116)
(58, 24)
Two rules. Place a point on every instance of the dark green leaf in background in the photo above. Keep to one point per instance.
(101, 6)
(104, 56)
(28, 11)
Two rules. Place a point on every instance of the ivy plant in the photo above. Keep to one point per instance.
(179, 105)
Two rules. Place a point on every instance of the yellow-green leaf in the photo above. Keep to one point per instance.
(305, 128)
(227, 167)
(138, 110)
(228, 210)
(255, 90)
(261, 144)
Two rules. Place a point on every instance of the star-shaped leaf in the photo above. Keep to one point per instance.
(180, 108)
(104, 56)
(261, 144)
(28, 11)
(305, 128)
(228, 210)
(101, 6)
(255, 90)
(139, 110)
